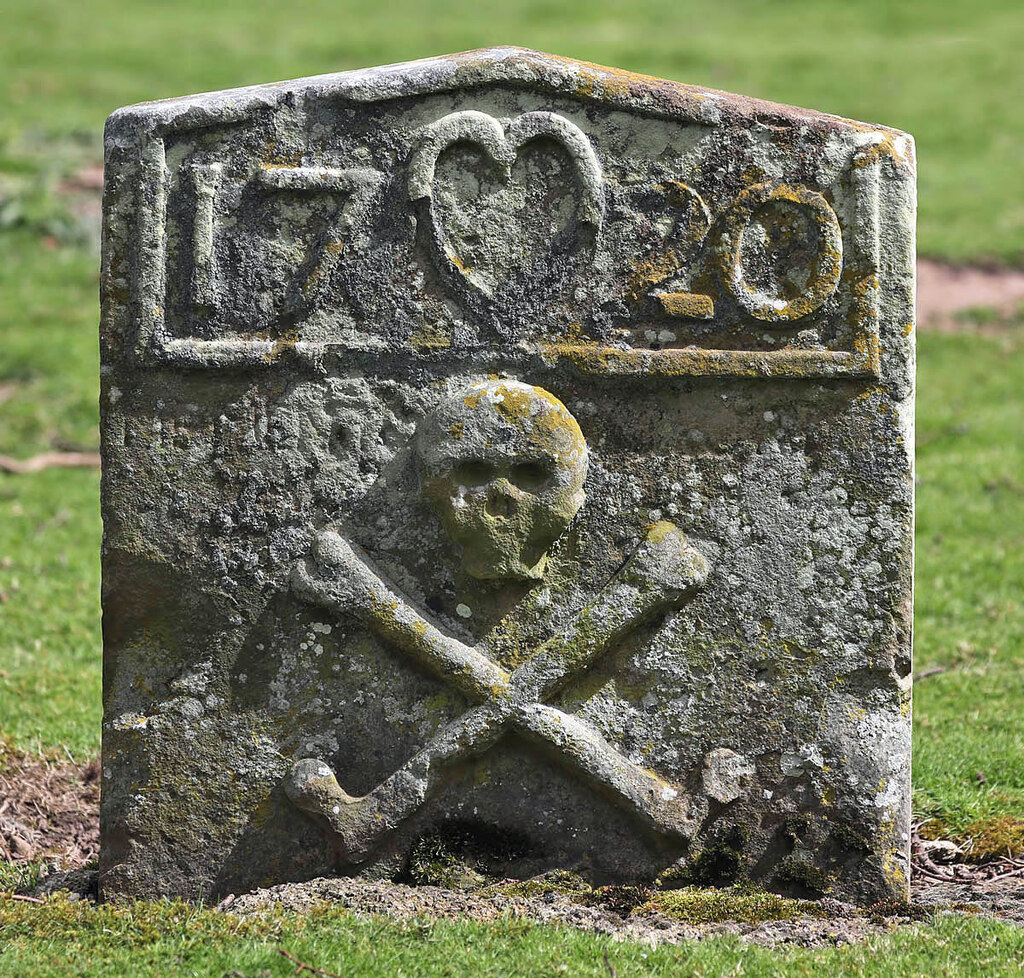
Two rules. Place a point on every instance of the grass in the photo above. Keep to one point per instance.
(947, 75)
(21, 876)
(948, 72)
(173, 938)
(49, 522)
(969, 743)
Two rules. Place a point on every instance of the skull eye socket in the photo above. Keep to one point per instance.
(473, 472)
(531, 476)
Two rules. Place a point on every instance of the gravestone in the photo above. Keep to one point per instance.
(507, 449)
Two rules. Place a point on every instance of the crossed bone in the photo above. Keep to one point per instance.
(657, 577)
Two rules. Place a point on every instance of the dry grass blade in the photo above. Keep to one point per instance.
(934, 671)
(49, 460)
(302, 966)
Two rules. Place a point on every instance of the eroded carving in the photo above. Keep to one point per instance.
(659, 576)
(779, 250)
(782, 251)
(348, 231)
(503, 465)
(476, 280)
(205, 178)
(237, 342)
(689, 230)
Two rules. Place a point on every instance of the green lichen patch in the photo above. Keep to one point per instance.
(887, 909)
(996, 837)
(718, 864)
(698, 905)
(559, 881)
(742, 903)
(797, 874)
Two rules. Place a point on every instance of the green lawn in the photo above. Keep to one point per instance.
(175, 939)
(49, 522)
(950, 73)
(970, 577)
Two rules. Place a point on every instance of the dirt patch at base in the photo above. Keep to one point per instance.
(840, 923)
(833, 922)
(49, 810)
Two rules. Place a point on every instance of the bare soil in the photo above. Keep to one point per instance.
(975, 890)
(946, 292)
(400, 902)
(49, 810)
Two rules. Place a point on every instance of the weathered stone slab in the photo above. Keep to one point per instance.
(506, 448)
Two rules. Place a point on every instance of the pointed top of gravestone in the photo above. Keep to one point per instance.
(506, 64)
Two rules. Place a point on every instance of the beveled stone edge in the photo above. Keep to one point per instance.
(510, 65)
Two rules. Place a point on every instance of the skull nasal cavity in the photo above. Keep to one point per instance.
(500, 503)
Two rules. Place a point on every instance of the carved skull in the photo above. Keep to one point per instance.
(503, 465)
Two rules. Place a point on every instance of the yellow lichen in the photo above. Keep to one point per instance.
(429, 337)
(649, 272)
(687, 305)
(884, 149)
(657, 532)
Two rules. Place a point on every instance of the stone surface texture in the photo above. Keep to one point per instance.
(507, 449)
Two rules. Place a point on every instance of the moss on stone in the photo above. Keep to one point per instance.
(432, 863)
(461, 856)
(850, 837)
(697, 905)
(720, 862)
(797, 874)
(558, 881)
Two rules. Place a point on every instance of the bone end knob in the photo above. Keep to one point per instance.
(668, 560)
(330, 550)
(312, 786)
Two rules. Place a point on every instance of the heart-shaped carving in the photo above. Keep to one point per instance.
(505, 216)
